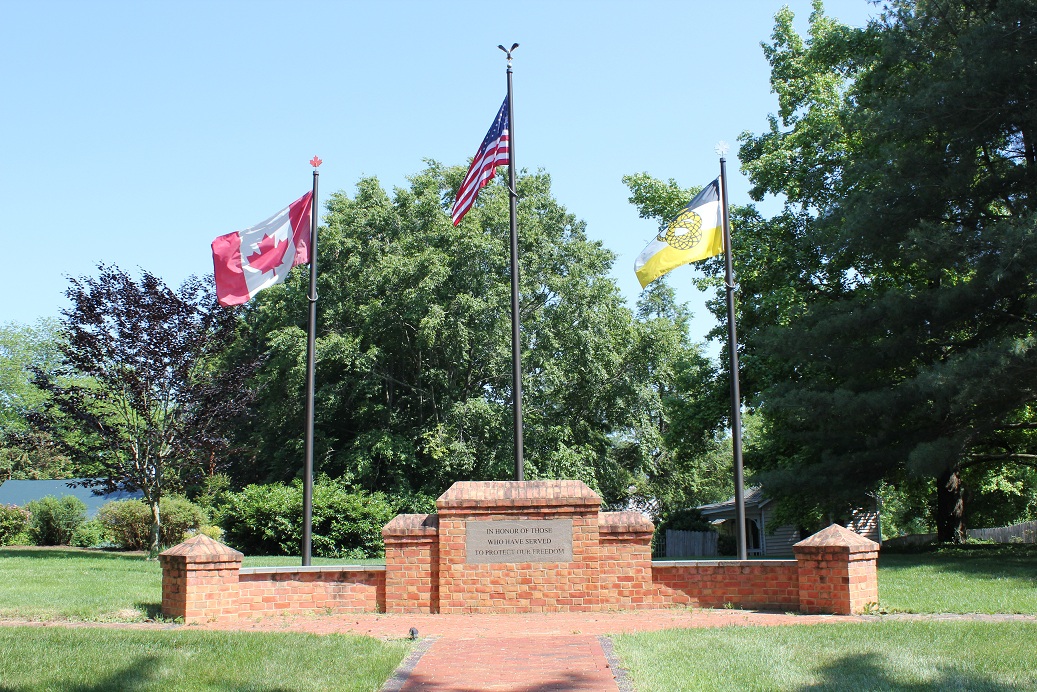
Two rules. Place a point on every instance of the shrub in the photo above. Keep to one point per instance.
(13, 522)
(128, 522)
(267, 520)
(211, 494)
(89, 534)
(52, 521)
(213, 532)
(179, 515)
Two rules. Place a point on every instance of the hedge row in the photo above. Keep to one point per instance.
(259, 520)
(123, 524)
(347, 523)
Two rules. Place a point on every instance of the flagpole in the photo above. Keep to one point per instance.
(516, 327)
(732, 344)
(307, 480)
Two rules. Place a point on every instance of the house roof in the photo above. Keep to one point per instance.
(20, 493)
(754, 499)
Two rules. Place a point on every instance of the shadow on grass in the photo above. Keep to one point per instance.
(866, 672)
(140, 674)
(70, 553)
(152, 611)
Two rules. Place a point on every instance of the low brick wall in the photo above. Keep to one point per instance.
(305, 590)
(759, 584)
(520, 547)
(203, 581)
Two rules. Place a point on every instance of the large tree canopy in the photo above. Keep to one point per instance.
(138, 382)
(905, 345)
(413, 386)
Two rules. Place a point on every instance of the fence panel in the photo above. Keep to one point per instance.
(1018, 533)
(691, 543)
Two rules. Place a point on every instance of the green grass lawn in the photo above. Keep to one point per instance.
(89, 659)
(74, 584)
(885, 655)
(94, 585)
(966, 579)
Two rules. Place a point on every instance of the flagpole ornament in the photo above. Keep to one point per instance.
(315, 161)
(508, 51)
(721, 148)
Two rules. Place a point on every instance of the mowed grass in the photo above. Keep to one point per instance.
(90, 659)
(964, 579)
(73, 584)
(884, 655)
(93, 585)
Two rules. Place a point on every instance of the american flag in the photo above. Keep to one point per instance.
(492, 152)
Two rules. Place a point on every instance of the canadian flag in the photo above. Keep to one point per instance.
(248, 261)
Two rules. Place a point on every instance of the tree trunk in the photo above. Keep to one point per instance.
(156, 525)
(950, 507)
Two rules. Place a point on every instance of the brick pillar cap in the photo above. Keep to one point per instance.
(412, 525)
(551, 493)
(624, 521)
(836, 536)
(201, 548)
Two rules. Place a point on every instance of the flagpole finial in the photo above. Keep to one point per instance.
(315, 161)
(508, 51)
(721, 148)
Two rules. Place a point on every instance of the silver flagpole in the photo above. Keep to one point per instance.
(307, 479)
(732, 344)
(516, 326)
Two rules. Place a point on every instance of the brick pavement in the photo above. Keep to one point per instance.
(529, 652)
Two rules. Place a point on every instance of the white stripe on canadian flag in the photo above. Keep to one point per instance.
(245, 262)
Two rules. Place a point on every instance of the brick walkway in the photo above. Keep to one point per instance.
(511, 664)
(536, 652)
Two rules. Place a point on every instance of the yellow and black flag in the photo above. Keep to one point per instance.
(694, 234)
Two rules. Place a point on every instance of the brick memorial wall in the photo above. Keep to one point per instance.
(517, 547)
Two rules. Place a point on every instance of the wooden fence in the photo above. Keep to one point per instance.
(1019, 533)
(691, 543)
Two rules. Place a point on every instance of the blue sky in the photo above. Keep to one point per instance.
(136, 132)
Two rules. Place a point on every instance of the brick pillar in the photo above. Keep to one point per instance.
(200, 581)
(625, 560)
(412, 564)
(837, 572)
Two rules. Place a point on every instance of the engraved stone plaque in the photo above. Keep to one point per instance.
(529, 540)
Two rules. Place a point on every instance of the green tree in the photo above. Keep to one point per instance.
(140, 382)
(906, 347)
(413, 348)
(27, 452)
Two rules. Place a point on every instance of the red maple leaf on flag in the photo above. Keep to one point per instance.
(269, 254)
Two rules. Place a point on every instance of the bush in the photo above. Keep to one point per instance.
(13, 522)
(52, 521)
(128, 522)
(213, 494)
(179, 515)
(213, 532)
(267, 520)
(89, 534)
